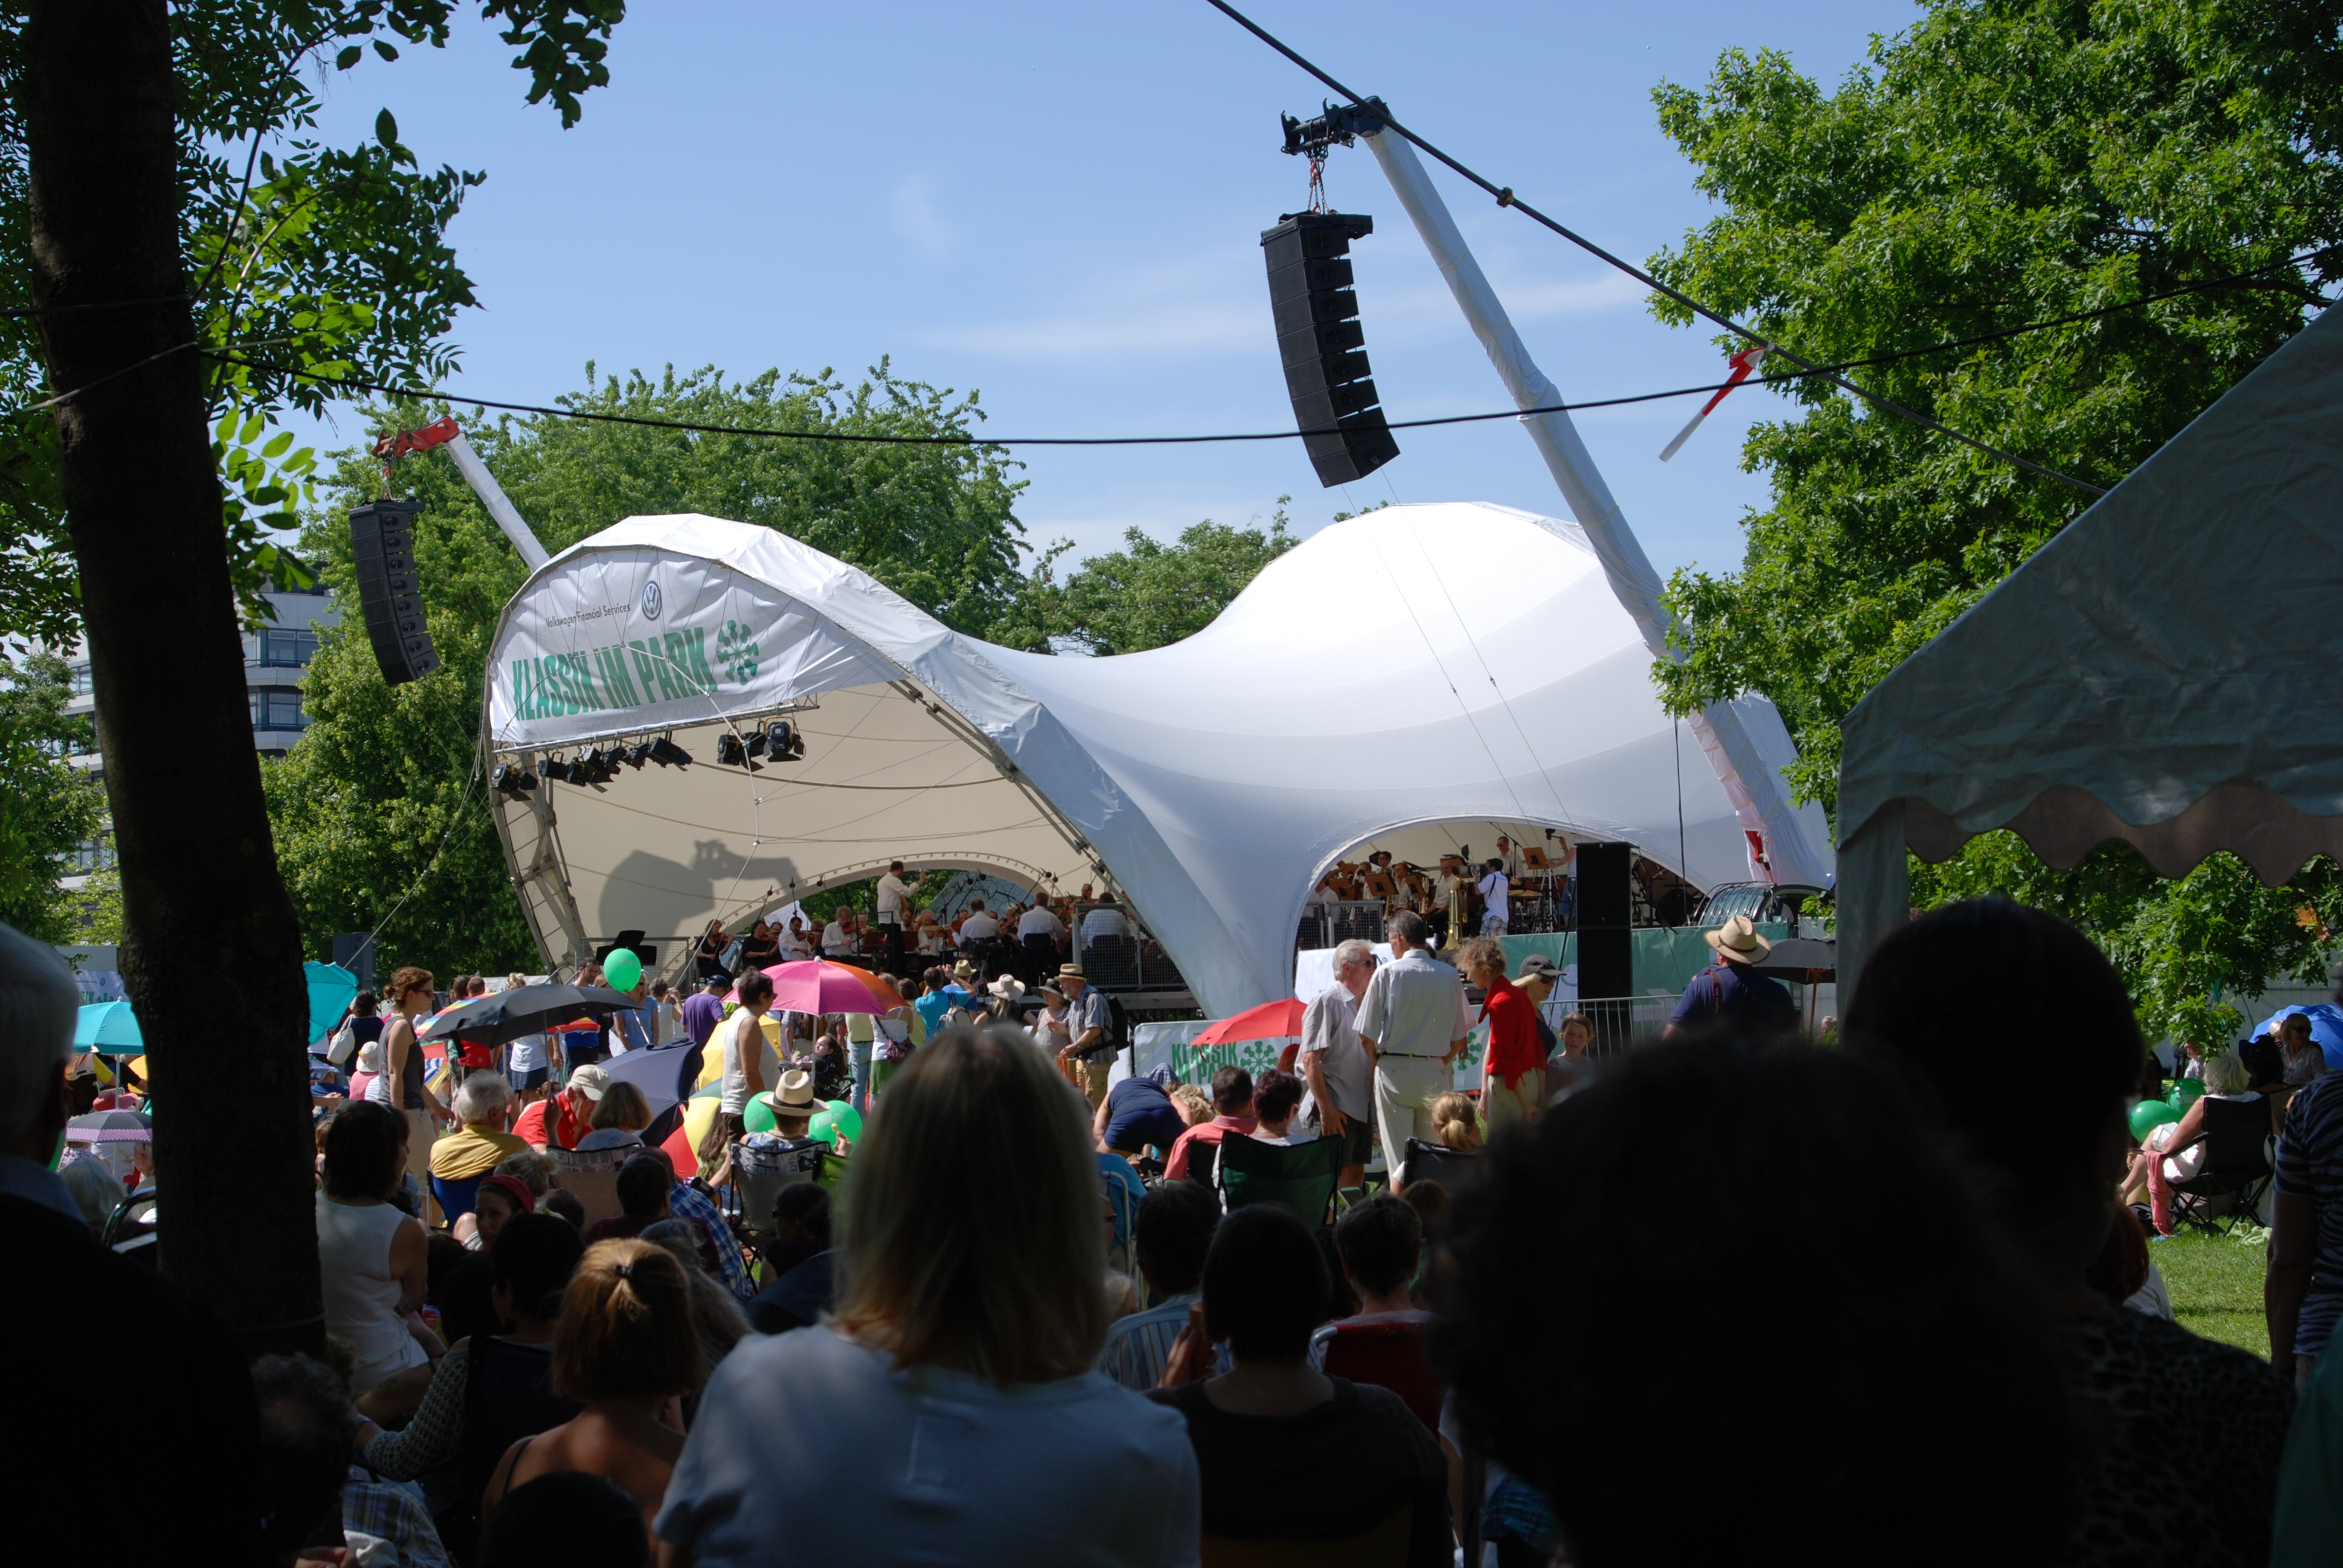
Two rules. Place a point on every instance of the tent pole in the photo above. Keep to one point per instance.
(1751, 783)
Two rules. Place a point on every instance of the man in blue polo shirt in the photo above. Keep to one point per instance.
(1139, 1111)
(1727, 991)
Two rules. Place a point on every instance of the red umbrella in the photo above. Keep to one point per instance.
(818, 985)
(1270, 1020)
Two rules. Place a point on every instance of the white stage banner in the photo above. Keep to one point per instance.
(636, 639)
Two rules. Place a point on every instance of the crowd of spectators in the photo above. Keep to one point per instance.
(1726, 1295)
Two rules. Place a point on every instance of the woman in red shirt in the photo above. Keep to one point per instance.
(1512, 1070)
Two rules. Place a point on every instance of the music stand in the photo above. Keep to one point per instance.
(1451, 864)
(1379, 885)
(1534, 858)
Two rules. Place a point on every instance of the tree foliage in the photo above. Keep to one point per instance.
(1990, 166)
(48, 805)
(382, 793)
(1147, 594)
(326, 261)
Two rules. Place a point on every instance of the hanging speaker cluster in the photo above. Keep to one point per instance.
(1324, 346)
(390, 589)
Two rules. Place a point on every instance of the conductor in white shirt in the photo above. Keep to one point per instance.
(1495, 889)
(894, 894)
(1412, 1020)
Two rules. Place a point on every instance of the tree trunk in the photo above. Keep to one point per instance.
(211, 953)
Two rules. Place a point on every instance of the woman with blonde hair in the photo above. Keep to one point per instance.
(626, 1349)
(1512, 1068)
(619, 1117)
(947, 1410)
(1456, 1122)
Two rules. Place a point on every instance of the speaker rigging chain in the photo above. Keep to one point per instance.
(1366, 115)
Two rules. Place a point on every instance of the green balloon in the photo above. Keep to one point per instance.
(622, 969)
(2187, 1092)
(823, 1129)
(2150, 1114)
(757, 1116)
(847, 1120)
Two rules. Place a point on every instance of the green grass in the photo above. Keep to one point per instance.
(2217, 1288)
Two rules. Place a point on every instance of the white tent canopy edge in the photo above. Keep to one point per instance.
(1349, 691)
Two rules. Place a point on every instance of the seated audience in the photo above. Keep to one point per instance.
(565, 1519)
(716, 1315)
(1429, 1198)
(1276, 1098)
(1286, 1452)
(1232, 1113)
(484, 1104)
(2047, 1163)
(913, 1424)
(371, 1257)
(95, 1193)
(560, 1120)
(625, 1350)
(492, 1389)
(1381, 1243)
(645, 1194)
(2265, 1068)
(564, 1204)
(2304, 1059)
(1456, 1122)
(1170, 1234)
(800, 1268)
(2302, 1294)
(1869, 1351)
(306, 1423)
(461, 1285)
(2155, 1167)
(619, 1117)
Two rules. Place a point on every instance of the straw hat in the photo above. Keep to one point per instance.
(795, 1096)
(1738, 941)
(1007, 987)
(1070, 971)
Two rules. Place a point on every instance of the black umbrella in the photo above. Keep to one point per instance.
(1802, 959)
(533, 1009)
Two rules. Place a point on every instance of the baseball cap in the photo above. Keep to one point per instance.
(1540, 965)
(591, 1080)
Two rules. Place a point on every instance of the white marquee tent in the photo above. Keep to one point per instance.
(2159, 673)
(1419, 665)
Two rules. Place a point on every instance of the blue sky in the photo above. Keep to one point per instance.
(1060, 205)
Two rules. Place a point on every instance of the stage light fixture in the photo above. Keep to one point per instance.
(668, 754)
(733, 754)
(638, 754)
(556, 770)
(511, 780)
(755, 744)
(783, 742)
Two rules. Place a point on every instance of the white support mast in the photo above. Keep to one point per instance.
(1729, 733)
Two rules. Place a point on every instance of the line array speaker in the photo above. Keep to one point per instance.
(1322, 344)
(1606, 966)
(390, 589)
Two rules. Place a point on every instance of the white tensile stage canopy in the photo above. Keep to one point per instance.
(1454, 663)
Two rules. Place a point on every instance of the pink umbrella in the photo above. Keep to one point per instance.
(1270, 1020)
(818, 985)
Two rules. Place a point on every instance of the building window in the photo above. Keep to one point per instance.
(277, 710)
(287, 650)
(77, 678)
(92, 855)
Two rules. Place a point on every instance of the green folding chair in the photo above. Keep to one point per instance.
(1299, 1177)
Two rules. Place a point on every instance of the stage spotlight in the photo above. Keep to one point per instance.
(668, 754)
(755, 744)
(639, 754)
(732, 754)
(556, 770)
(511, 780)
(783, 743)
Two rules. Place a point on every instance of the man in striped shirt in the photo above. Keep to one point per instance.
(1171, 1233)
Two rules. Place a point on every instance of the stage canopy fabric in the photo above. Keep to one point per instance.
(1457, 663)
(2161, 672)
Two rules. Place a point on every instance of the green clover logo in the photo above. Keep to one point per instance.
(736, 650)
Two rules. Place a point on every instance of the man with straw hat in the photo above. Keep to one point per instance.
(1730, 992)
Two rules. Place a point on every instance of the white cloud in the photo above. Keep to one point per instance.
(917, 219)
(1195, 306)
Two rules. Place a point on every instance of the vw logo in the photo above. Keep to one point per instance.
(651, 599)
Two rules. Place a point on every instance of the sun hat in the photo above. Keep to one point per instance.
(591, 1080)
(1070, 971)
(795, 1096)
(1006, 987)
(1738, 941)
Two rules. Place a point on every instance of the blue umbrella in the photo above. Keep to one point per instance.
(330, 989)
(110, 1027)
(2325, 1028)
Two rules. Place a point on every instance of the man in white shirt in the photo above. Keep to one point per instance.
(1106, 920)
(893, 894)
(1341, 1100)
(977, 925)
(1510, 859)
(838, 937)
(1040, 932)
(797, 942)
(1412, 1020)
(1496, 916)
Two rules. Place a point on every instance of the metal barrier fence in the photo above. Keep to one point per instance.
(1323, 925)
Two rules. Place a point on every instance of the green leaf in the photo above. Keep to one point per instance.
(385, 50)
(386, 128)
(252, 429)
(349, 57)
(277, 443)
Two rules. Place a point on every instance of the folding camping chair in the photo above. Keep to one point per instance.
(593, 1176)
(1424, 1162)
(2235, 1140)
(1299, 1177)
